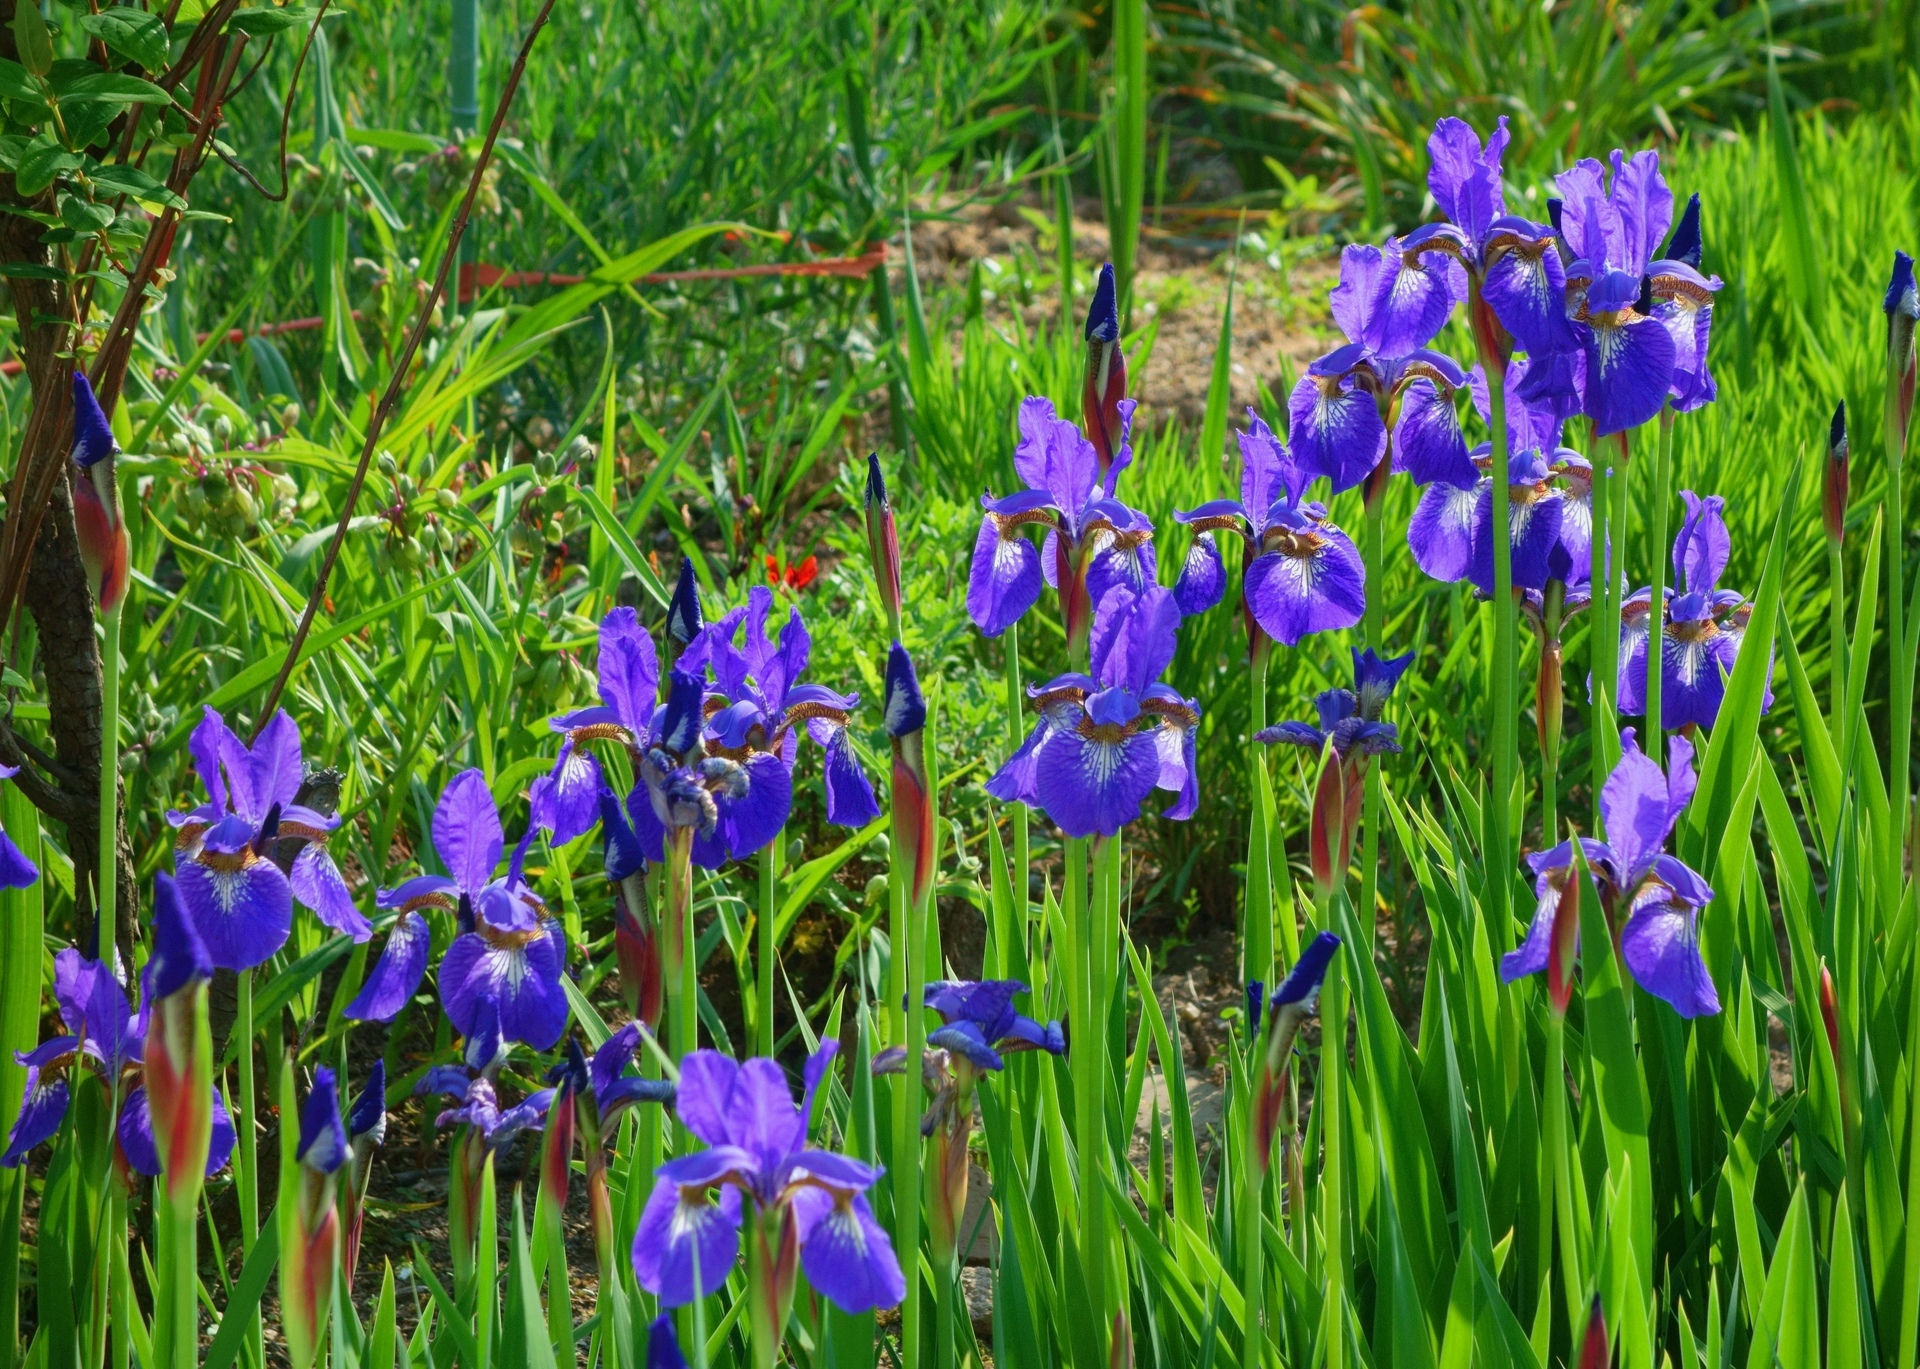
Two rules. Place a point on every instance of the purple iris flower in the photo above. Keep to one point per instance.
(1303, 575)
(1702, 629)
(1339, 412)
(1107, 740)
(979, 1022)
(1513, 274)
(1659, 897)
(101, 1034)
(1612, 228)
(607, 1078)
(228, 852)
(1350, 734)
(755, 713)
(1093, 541)
(498, 1127)
(508, 947)
(1683, 302)
(16, 871)
(759, 1157)
(629, 678)
(1550, 502)
(682, 787)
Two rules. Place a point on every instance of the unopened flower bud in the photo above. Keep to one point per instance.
(1106, 382)
(1834, 488)
(883, 543)
(1903, 311)
(1595, 1352)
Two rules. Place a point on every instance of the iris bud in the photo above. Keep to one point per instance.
(1834, 488)
(1903, 310)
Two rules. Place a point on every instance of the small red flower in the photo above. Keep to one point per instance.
(795, 578)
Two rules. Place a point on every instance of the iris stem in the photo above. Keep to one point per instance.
(1603, 638)
(1504, 732)
(1330, 1095)
(1553, 1085)
(106, 881)
(683, 979)
(1370, 831)
(1087, 1057)
(1256, 931)
(1254, 1173)
(1837, 633)
(179, 1346)
(1016, 733)
(247, 1171)
(944, 1335)
(907, 977)
(770, 861)
(1656, 554)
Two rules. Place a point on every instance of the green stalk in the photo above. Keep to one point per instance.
(1087, 1059)
(1016, 733)
(246, 1171)
(1256, 930)
(906, 978)
(1603, 639)
(107, 877)
(1330, 1095)
(770, 861)
(1656, 638)
(1376, 560)
(1504, 733)
(1837, 632)
(1254, 1172)
(683, 987)
(1555, 1089)
(178, 1346)
(1095, 1154)
(943, 1329)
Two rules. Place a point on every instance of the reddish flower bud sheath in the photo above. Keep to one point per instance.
(1106, 380)
(96, 500)
(636, 948)
(883, 543)
(1835, 487)
(1595, 1352)
(1566, 940)
(178, 1060)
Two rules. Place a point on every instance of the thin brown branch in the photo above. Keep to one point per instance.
(390, 396)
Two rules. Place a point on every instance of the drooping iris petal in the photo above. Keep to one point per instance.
(241, 905)
(750, 822)
(1661, 946)
(318, 884)
(1413, 300)
(1629, 370)
(847, 1256)
(1090, 785)
(16, 871)
(396, 975)
(466, 830)
(1631, 688)
(41, 1111)
(850, 800)
(1440, 534)
(683, 1228)
(1525, 287)
(1533, 520)
(1203, 577)
(1335, 430)
(1317, 585)
(1427, 442)
(1004, 580)
(1696, 658)
(1124, 559)
(521, 972)
(570, 803)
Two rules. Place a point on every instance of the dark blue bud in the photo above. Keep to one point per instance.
(1103, 316)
